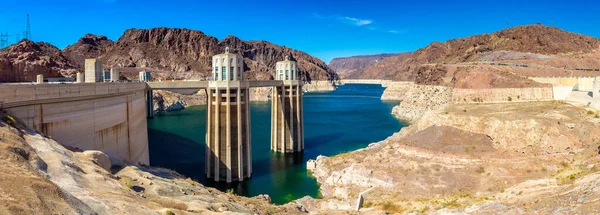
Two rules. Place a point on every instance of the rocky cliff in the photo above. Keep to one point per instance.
(520, 41)
(23, 61)
(173, 53)
(345, 67)
(89, 46)
(169, 53)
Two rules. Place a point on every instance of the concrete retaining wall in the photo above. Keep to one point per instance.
(561, 92)
(501, 94)
(577, 83)
(110, 117)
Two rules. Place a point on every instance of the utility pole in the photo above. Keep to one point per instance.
(506, 23)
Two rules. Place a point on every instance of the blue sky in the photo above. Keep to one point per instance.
(325, 29)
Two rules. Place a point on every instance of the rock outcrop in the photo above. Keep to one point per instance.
(396, 90)
(169, 101)
(172, 53)
(89, 46)
(422, 98)
(23, 61)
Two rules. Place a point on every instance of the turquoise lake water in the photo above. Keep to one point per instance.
(343, 120)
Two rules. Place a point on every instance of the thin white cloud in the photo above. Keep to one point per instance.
(401, 31)
(343, 19)
(357, 22)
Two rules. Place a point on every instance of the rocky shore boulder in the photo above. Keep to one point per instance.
(99, 158)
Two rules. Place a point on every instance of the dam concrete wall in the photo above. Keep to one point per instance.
(577, 83)
(109, 117)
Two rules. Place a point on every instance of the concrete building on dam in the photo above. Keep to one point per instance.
(287, 126)
(93, 70)
(228, 146)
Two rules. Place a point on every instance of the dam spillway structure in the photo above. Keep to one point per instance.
(287, 125)
(228, 155)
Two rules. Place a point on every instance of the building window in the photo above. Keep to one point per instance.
(287, 74)
(231, 73)
(223, 72)
(293, 74)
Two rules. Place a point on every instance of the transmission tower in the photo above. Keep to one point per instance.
(27, 32)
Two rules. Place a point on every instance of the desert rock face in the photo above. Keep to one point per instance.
(475, 158)
(89, 46)
(345, 67)
(23, 61)
(171, 53)
(170, 101)
(421, 98)
(533, 43)
(396, 90)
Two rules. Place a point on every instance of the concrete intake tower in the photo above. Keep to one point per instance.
(228, 147)
(287, 124)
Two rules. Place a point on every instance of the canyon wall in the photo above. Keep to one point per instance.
(109, 117)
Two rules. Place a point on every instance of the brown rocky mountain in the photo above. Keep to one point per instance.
(168, 53)
(544, 41)
(23, 61)
(346, 66)
(89, 46)
(172, 53)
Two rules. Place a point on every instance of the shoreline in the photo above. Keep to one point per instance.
(386, 114)
(505, 133)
